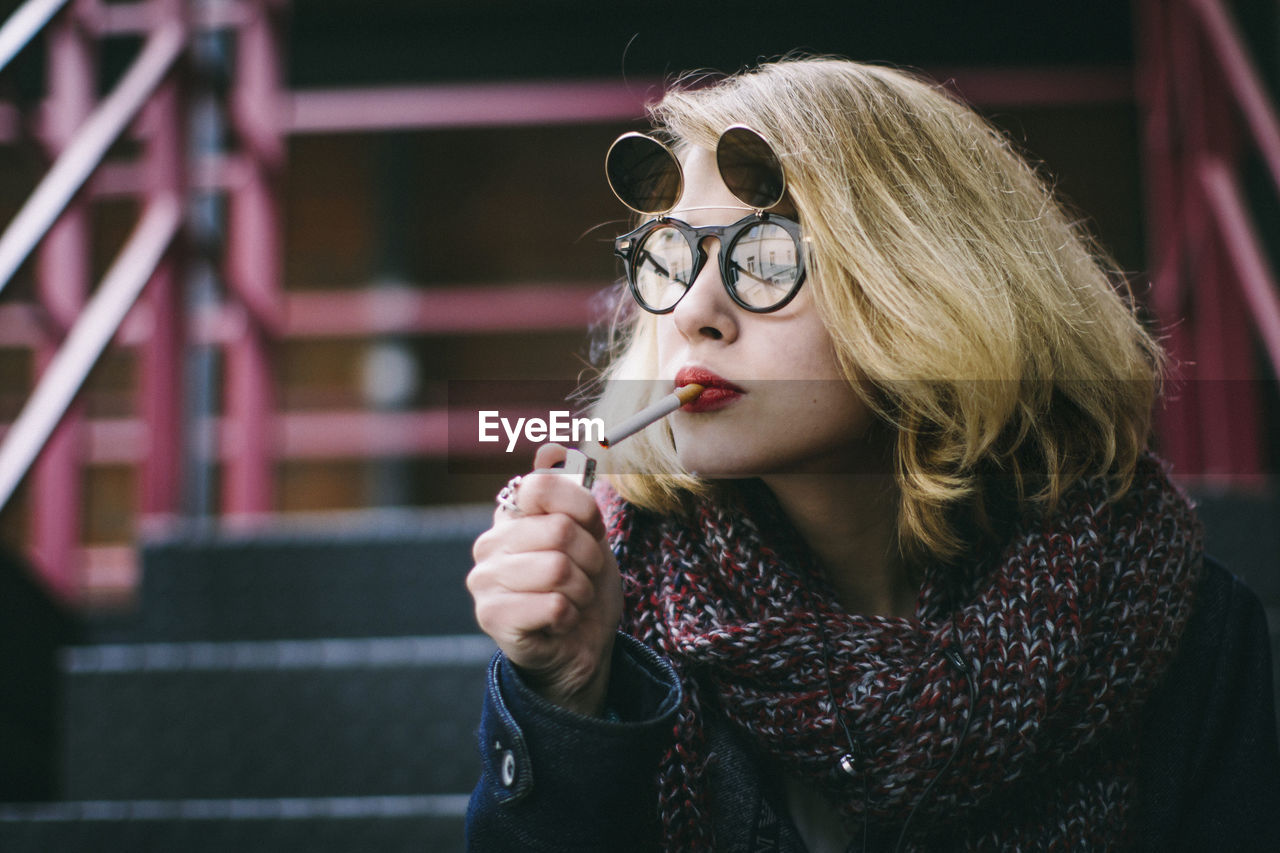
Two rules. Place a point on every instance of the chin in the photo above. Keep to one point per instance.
(720, 459)
(712, 463)
(728, 463)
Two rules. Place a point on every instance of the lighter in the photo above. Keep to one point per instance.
(578, 465)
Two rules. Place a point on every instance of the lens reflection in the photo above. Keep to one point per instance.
(661, 266)
(763, 265)
(759, 261)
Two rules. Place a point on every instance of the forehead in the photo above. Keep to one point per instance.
(703, 186)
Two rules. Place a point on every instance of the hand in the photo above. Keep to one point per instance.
(547, 589)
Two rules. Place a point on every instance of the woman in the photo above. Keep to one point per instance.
(905, 575)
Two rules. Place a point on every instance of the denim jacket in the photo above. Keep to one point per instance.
(553, 780)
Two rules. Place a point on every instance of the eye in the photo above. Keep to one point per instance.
(661, 267)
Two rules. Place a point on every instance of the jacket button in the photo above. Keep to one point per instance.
(508, 768)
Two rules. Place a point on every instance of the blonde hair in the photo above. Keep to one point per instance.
(965, 306)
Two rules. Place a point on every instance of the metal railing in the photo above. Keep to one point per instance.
(1197, 215)
(43, 438)
(24, 25)
(1205, 111)
(66, 373)
(85, 153)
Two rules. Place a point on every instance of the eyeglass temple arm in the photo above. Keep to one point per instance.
(643, 255)
(743, 271)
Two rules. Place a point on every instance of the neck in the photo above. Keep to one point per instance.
(850, 522)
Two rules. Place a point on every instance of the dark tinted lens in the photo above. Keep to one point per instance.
(764, 265)
(643, 173)
(661, 267)
(749, 168)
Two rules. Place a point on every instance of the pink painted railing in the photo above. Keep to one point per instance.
(1205, 108)
(1198, 221)
(24, 25)
(87, 148)
(45, 440)
(62, 379)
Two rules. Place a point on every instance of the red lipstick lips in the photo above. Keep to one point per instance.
(718, 392)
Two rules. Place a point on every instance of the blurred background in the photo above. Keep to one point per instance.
(250, 243)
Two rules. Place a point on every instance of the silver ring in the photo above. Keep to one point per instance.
(507, 497)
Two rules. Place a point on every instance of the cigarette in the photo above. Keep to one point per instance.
(659, 410)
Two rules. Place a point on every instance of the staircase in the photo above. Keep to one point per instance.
(316, 686)
(313, 686)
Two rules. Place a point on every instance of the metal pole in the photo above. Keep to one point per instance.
(206, 231)
(63, 272)
(1175, 414)
(162, 356)
(1234, 430)
(253, 266)
(390, 366)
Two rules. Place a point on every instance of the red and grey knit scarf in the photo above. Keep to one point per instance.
(1065, 633)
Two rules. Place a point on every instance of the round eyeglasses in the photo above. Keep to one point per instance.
(761, 263)
(761, 257)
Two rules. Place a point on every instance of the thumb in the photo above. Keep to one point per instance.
(549, 455)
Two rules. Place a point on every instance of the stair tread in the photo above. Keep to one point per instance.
(383, 573)
(230, 655)
(241, 808)
(259, 729)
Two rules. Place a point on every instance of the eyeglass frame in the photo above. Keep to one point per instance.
(727, 236)
(626, 245)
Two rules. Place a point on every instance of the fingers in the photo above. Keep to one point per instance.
(545, 583)
(511, 619)
(548, 455)
(544, 572)
(555, 532)
(545, 490)
(529, 592)
(542, 492)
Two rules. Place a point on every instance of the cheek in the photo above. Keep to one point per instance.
(823, 408)
(666, 340)
(806, 353)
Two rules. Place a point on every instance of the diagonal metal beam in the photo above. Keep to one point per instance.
(1245, 252)
(61, 381)
(24, 24)
(1244, 81)
(86, 151)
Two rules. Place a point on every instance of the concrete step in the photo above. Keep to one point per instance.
(317, 718)
(410, 824)
(402, 572)
(368, 574)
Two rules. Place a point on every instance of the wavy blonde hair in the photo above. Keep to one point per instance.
(969, 311)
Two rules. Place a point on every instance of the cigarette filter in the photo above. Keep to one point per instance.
(651, 414)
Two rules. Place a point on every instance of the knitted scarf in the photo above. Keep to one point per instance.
(1065, 631)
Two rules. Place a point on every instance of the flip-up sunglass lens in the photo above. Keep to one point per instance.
(643, 173)
(750, 168)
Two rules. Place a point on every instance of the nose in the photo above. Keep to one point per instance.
(706, 311)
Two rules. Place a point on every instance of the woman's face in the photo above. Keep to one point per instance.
(796, 412)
